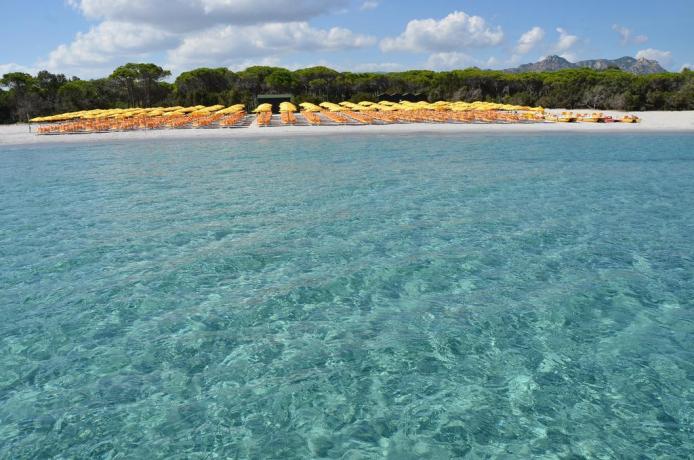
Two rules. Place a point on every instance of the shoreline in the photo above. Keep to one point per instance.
(652, 122)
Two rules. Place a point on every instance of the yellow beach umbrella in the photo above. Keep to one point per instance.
(308, 107)
(263, 108)
(236, 108)
(332, 107)
(287, 107)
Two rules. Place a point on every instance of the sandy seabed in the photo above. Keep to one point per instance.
(651, 122)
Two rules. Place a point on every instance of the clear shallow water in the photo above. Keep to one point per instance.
(409, 297)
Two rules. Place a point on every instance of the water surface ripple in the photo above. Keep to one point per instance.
(352, 297)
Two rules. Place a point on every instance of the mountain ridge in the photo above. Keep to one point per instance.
(641, 66)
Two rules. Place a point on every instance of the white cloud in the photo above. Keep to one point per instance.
(664, 58)
(107, 42)
(369, 5)
(229, 44)
(376, 67)
(455, 31)
(203, 32)
(13, 67)
(492, 62)
(687, 66)
(566, 41)
(570, 56)
(182, 15)
(530, 40)
(456, 60)
(448, 61)
(243, 64)
(627, 37)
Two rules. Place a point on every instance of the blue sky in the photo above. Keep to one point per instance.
(89, 38)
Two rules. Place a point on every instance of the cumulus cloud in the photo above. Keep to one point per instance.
(663, 57)
(566, 40)
(564, 45)
(530, 40)
(377, 67)
(456, 60)
(451, 60)
(13, 67)
(202, 32)
(455, 31)
(225, 44)
(627, 37)
(185, 15)
(242, 64)
(106, 41)
(95, 53)
(369, 5)
(492, 62)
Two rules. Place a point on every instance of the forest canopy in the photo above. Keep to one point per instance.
(24, 96)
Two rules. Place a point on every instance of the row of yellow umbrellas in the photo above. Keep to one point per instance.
(486, 106)
(386, 106)
(363, 106)
(148, 112)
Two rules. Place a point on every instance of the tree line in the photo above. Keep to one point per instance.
(24, 96)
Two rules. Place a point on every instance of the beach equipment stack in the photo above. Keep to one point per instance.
(310, 113)
(264, 116)
(287, 110)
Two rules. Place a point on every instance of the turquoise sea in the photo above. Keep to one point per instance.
(410, 297)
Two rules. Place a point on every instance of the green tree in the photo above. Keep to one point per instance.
(316, 81)
(139, 81)
(48, 85)
(318, 87)
(21, 87)
(5, 107)
(253, 78)
(204, 86)
(78, 95)
(280, 81)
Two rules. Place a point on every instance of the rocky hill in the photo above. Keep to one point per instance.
(629, 64)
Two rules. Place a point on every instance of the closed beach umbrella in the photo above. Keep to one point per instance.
(287, 107)
(263, 108)
(308, 107)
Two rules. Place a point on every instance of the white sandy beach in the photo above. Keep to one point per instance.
(651, 122)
